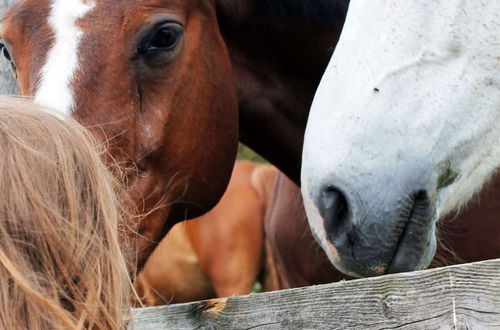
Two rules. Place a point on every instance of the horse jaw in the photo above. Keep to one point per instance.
(407, 107)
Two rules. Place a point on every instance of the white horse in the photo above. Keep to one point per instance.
(405, 127)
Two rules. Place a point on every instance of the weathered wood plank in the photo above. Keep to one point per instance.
(456, 297)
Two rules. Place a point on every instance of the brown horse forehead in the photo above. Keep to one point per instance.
(26, 14)
(28, 7)
(131, 7)
(37, 11)
(115, 15)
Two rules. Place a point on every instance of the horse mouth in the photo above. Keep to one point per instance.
(416, 244)
(401, 241)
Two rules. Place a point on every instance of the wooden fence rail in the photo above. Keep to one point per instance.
(456, 297)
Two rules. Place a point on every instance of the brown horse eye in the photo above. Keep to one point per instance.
(166, 37)
(5, 52)
(159, 45)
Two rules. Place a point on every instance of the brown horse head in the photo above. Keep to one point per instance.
(151, 77)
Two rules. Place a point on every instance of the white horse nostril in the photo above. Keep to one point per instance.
(334, 209)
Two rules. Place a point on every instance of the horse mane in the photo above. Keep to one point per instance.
(317, 12)
(327, 14)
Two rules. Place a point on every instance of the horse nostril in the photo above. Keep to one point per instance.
(333, 208)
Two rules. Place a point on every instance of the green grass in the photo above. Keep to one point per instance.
(257, 288)
(245, 153)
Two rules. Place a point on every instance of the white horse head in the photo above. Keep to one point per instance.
(404, 128)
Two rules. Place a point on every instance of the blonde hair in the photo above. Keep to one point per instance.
(61, 265)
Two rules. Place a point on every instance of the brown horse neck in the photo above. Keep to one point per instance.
(472, 234)
(279, 51)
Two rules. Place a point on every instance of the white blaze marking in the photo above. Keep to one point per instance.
(54, 89)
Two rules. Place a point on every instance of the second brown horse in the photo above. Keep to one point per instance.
(216, 255)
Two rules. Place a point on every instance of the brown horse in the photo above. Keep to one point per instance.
(471, 235)
(217, 255)
(157, 79)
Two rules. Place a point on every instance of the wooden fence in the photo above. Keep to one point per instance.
(456, 297)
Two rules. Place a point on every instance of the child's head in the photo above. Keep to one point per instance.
(60, 261)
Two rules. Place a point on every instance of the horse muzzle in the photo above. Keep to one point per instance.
(375, 234)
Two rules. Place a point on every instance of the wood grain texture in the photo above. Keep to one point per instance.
(8, 84)
(456, 297)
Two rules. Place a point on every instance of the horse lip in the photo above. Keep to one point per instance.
(412, 243)
(393, 266)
